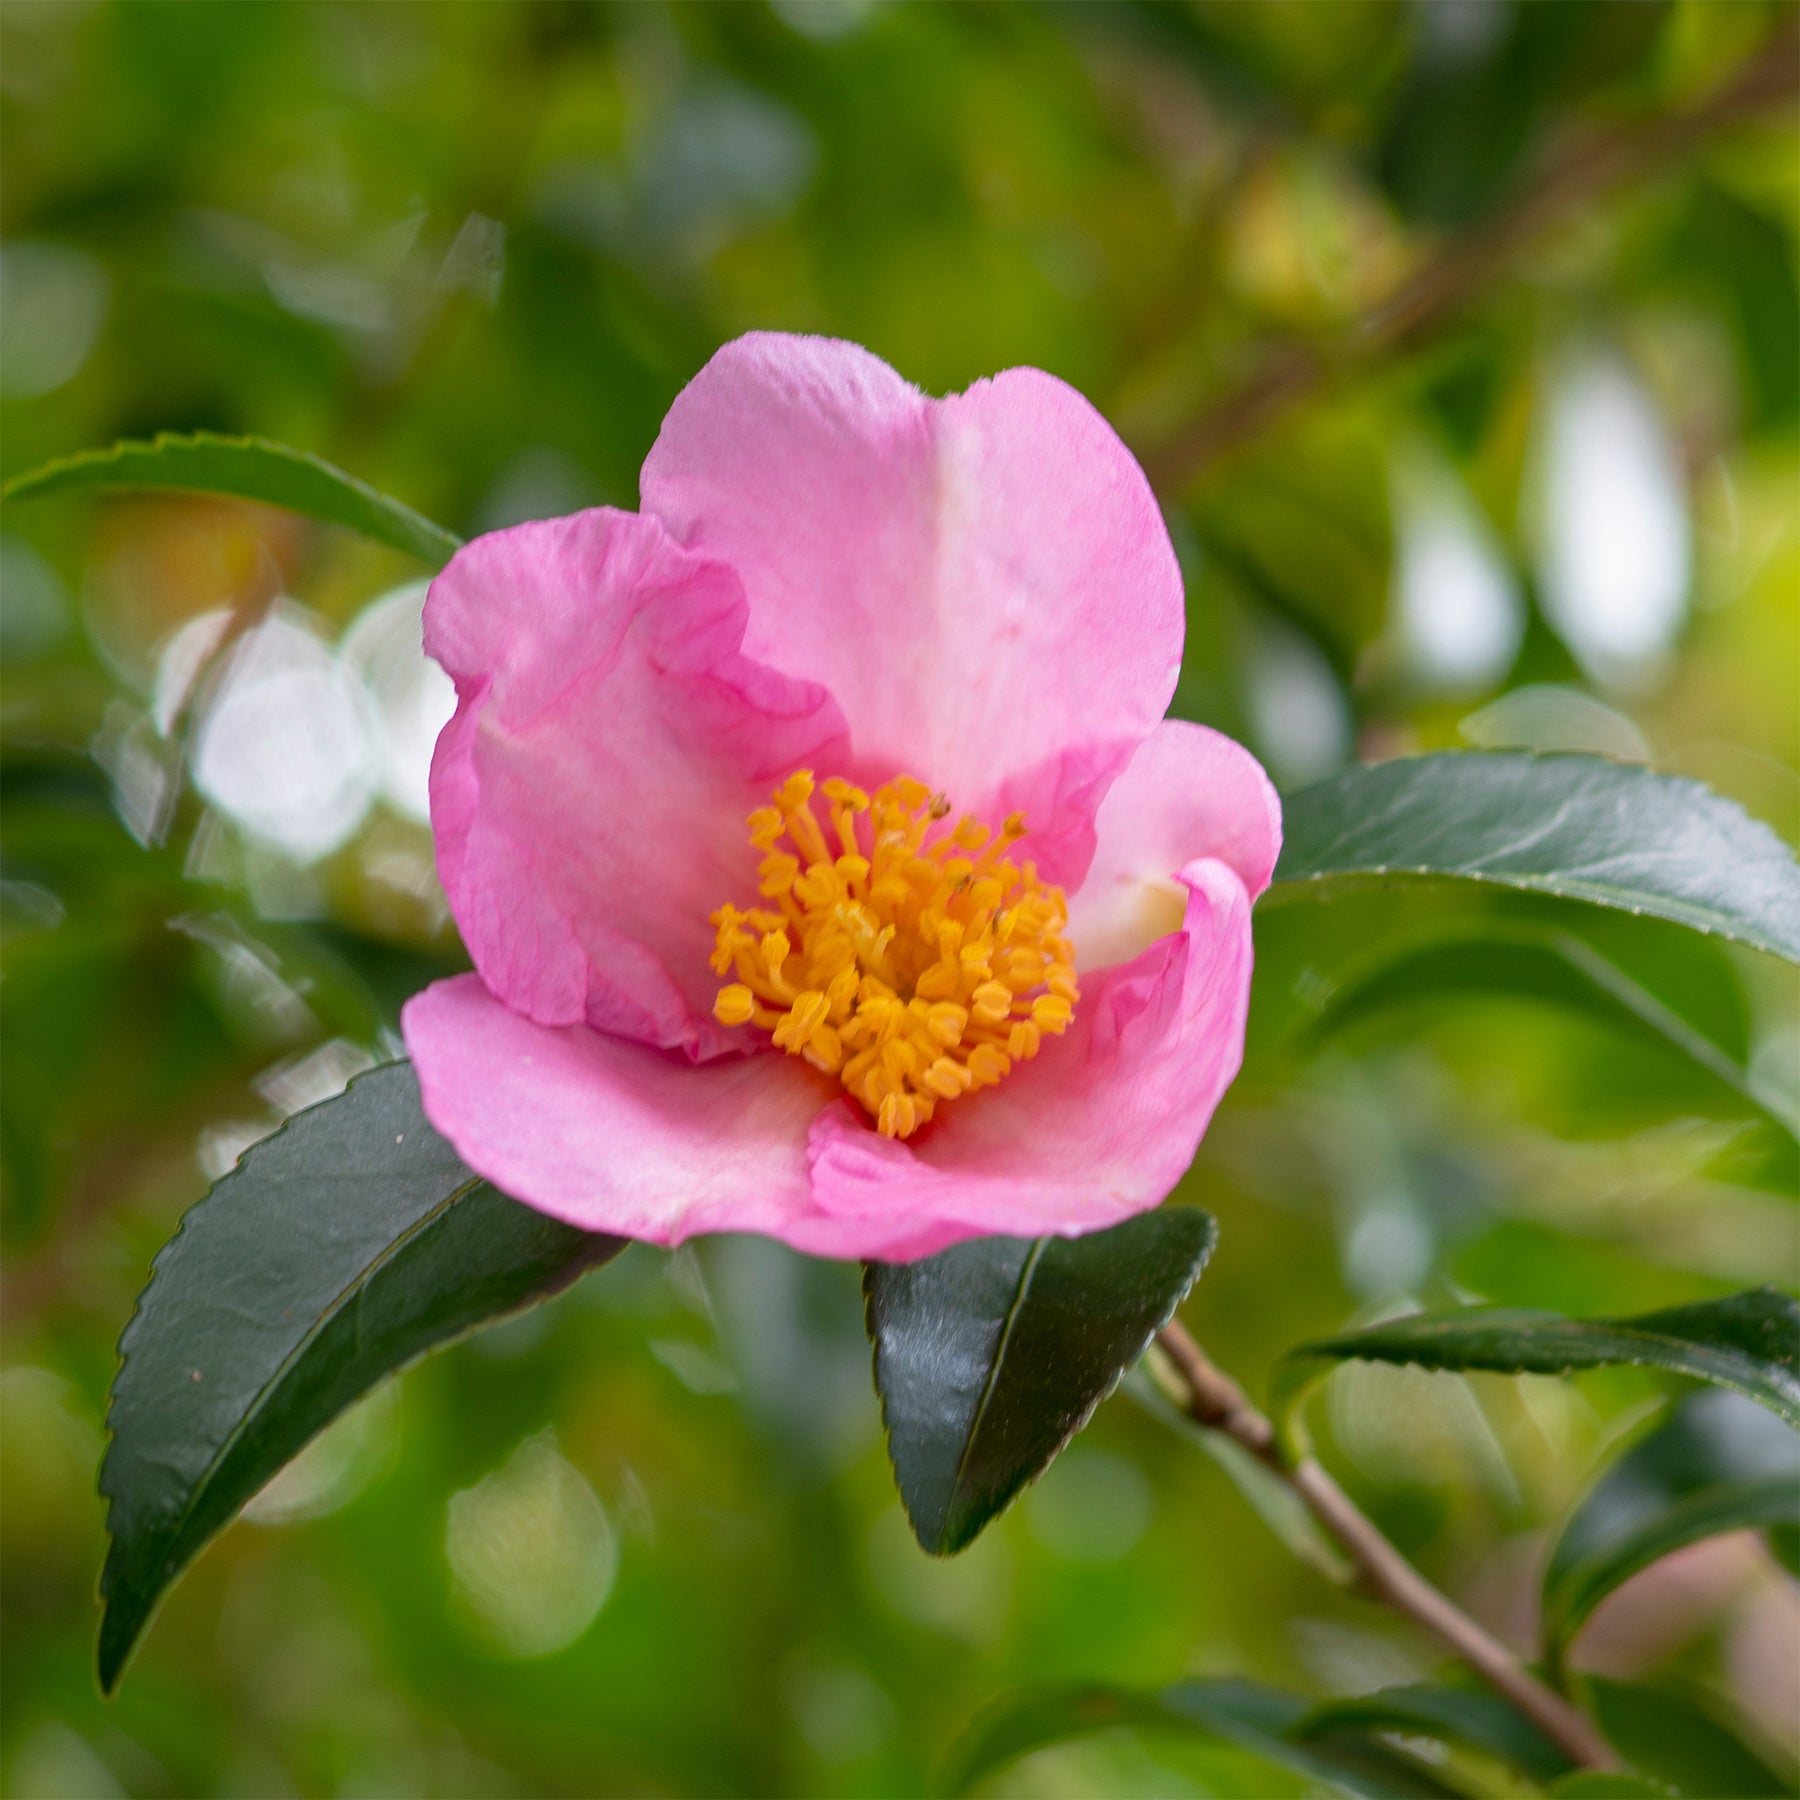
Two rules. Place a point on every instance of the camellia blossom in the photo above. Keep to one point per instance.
(827, 864)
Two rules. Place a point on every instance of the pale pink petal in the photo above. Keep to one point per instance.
(985, 583)
(589, 797)
(1189, 792)
(610, 1135)
(1100, 1126)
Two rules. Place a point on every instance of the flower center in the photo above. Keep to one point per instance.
(916, 964)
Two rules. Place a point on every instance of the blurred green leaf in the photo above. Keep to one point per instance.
(338, 1249)
(1603, 1784)
(1475, 96)
(1470, 1716)
(1719, 1464)
(1522, 961)
(1784, 1546)
(1263, 1720)
(248, 469)
(1579, 827)
(1749, 1341)
(992, 1354)
(1272, 1500)
(1668, 1734)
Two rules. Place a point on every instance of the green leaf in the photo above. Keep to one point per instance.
(1456, 1715)
(1605, 1784)
(991, 1355)
(1520, 961)
(1244, 1714)
(1719, 1464)
(1273, 1500)
(1668, 1733)
(1749, 1341)
(340, 1248)
(1784, 1546)
(250, 469)
(1579, 827)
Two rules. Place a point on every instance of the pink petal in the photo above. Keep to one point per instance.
(1101, 1125)
(610, 1135)
(1189, 792)
(589, 797)
(985, 583)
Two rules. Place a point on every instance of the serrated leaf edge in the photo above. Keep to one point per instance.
(110, 1678)
(426, 540)
(948, 1549)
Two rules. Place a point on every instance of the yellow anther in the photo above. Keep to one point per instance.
(824, 1050)
(947, 1078)
(735, 1005)
(804, 1018)
(795, 791)
(911, 961)
(947, 1022)
(990, 1003)
(938, 982)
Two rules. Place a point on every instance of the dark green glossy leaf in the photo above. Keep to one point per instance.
(248, 469)
(1749, 1341)
(336, 1251)
(1262, 1720)
(991, 1355)
(1517, 962)
(1719, 1464)
(1470, 1716)
(1669, 1734)
(1579, 827)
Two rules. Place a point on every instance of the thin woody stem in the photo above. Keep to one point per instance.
(1216, 1401)
(1589, 166)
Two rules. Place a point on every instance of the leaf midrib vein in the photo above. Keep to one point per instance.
(1021, 1291)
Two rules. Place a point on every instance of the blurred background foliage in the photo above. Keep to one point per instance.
(1463, 341)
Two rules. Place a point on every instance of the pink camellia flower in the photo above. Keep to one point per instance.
(827, 864)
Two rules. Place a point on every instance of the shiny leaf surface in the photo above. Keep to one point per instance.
(1579, 827)
(337, 1250)
(991, 1355)
(1749, 1341)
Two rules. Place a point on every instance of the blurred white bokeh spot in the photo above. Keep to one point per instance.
(532, 1550)
(413, 698)
(1299, 718)
(183, 661)
(336, 1466)
(297, 1082)
(1455, 605)
(1545, 717)
(53, 299)
(1614, 540)
(291, 747)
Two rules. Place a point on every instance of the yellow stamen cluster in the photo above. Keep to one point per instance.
(915, 964)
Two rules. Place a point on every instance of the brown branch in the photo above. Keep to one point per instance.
(1590, 166)
(1217, 1402)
